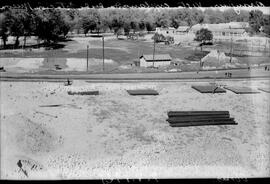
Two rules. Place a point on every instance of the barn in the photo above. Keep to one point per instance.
(155, 60)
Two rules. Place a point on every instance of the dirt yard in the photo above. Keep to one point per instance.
(114, 135)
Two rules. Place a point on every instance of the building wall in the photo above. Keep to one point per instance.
(143, 63)
(166, 32)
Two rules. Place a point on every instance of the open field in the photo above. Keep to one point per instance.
(117, 50)
(123, 52)
(114, 135)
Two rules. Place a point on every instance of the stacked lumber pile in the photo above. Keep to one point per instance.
(143, 92)
(266, 89)
(84, 93)
(209, 89)
(241, 90)
(199, 118)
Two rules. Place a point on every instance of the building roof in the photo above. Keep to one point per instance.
(183, 28)
(157, 58)
(165, 28)
(241, 31)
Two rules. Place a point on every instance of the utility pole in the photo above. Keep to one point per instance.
(103, 51)
(87, 57)
(216, 68)
(231, 46)
(154, 51)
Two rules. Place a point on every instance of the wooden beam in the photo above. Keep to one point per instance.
(203, 123)
(211, 120)
(195, 113)
(182, 118)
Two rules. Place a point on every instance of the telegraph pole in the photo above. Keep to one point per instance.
(154, 51)
(231, 46)
(87, 58)
(103, 52)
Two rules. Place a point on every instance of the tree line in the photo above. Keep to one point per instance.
(53, 24)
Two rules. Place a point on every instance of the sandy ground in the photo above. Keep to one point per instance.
(114, 135)
(31, 65)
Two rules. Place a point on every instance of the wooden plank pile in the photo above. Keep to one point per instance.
(267, 90)
(143, 92)
(241, 90)
(84, 93)
(209, 89)
(199, 118)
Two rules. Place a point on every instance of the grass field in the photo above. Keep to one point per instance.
(122, 52)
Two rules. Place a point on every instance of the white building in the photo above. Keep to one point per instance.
(223, 31)
(155, 61)
(170, 31)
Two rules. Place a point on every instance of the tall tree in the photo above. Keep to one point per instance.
(229, 15)
(203, 35)
(50, 25)
(266, 27)
(19, 16)
(213, 16)
(5, 22)
(256, 20)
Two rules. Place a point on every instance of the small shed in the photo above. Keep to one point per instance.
(155, 60)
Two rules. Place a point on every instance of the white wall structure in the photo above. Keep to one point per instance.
(156, 61)
(223, 31)
(170, 31)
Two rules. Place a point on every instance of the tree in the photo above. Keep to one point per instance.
(229, 15)
(71, 18)
(213, 16)
(117, 22)
(87, 24)
(256, 20)
(50, 25)
(243, 16)
(195, 17)
(162, 19)
(90, 20)
(158, 38)
(18, 16)
(266, 27)
(5, 22)
(203, 35)
(149, 26)
(127, 28)
(141, 25)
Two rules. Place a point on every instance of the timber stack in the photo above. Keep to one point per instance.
(199, 118)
